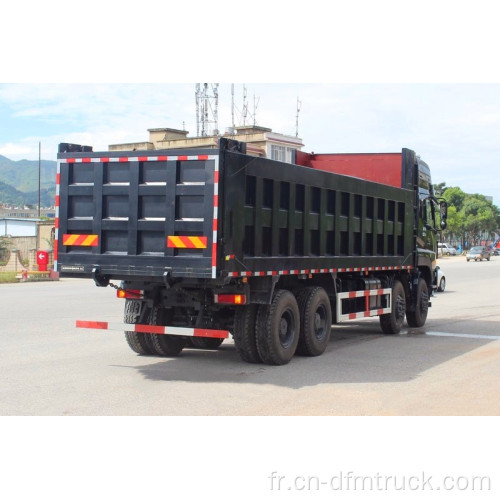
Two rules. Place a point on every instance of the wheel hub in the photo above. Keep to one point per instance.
(283, 327)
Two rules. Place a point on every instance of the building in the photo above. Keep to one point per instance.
(25, 237)
(260, 141)
(25, 213)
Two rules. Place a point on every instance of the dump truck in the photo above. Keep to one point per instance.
(207, 244)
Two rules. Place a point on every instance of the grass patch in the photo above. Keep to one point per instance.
(8, 277)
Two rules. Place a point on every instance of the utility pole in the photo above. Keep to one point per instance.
(39, 174)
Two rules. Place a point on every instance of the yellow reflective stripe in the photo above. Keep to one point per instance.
(176, 242)
(70, 240)
(197, 242)
(89, 240)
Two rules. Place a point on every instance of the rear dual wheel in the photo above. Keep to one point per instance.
(244, 333)
(147, 343)
(315, 321)
(273, 333)
(278, 329)
(140, 343)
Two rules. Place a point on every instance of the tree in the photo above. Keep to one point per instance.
(5, 244)
(455, 197)
(471, 217)
(439, 189)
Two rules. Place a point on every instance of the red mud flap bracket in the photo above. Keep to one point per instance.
(157, 330)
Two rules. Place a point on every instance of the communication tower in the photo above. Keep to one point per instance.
(207, 109)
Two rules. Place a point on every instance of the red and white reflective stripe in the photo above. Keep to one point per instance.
(365, 314)
(105, 159)
(365, 293)
(216, 217)
(236, 274)
(157, 330)
(56, 225)
(368, 312)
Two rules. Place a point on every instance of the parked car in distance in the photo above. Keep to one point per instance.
(445, 249)
(478, 253)
(439, 280)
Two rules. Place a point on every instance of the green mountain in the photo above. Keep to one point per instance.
(19, 182)
(23, 174)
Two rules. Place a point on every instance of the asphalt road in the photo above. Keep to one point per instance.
(449, 367)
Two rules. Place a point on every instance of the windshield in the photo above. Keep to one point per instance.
(476, 249)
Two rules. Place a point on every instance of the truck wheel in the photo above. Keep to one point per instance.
(417, 318)
(164, 345)
(315, 321)
(204, 343)
(244, 333)
(141, 343)
(278, 329)
(392, 322)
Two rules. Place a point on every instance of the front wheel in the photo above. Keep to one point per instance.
(392, 322)
(416, 318)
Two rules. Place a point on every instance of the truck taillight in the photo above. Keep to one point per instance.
(226, 298)
(129, 294)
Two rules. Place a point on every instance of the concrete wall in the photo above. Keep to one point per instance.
(26, 247)
(17, 260)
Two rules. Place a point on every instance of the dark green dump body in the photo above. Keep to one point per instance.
(280, 216)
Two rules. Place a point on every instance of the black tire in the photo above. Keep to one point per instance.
(315, 321)
(417, 318)
(165, 345)
(141, 343)
(244, 333)
(204, 343)
(442, 285)
(278, 329)
(392, 322)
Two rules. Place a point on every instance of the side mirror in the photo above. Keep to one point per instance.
(443, 209)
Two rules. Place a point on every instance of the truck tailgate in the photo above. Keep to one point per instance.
(137, 214)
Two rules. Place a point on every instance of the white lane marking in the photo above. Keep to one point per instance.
(465, 335)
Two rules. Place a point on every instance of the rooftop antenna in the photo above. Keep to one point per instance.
(198, 98)
(255, 104)
(232, 105)
(299, 104)
(245, 105)
(207, 109)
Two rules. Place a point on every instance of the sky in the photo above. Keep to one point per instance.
(454, 127)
